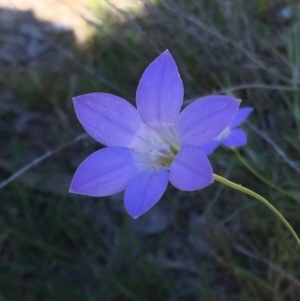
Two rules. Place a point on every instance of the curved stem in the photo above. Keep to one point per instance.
(261, 199)
(263, 179)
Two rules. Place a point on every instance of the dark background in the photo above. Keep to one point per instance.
(215, 244)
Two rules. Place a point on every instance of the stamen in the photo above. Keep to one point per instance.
(162, 152)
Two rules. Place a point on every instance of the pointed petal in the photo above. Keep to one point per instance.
(240, 117)
(160, 92)
(144, 191)
(105, 172)
(203, 120)
(210, 147)
(236, 138)
(190, 169)
(111, 120)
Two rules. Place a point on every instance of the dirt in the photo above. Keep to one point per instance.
(65, 14)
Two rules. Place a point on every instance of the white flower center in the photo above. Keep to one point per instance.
(162, 152)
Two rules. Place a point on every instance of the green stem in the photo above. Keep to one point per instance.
(263, 179)
(259, 198)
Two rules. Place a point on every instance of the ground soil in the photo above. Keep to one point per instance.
(64, 13)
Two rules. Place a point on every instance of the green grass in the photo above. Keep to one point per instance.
(218, 244)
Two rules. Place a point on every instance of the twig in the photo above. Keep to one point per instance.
(259, 86)
(280, 152)
(262, 178)
(40, 159)
(272, 265)
(250, 86)
(237, 45)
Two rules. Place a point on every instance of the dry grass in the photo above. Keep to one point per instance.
(214, 244)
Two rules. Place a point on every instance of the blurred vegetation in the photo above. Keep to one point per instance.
(215, 244)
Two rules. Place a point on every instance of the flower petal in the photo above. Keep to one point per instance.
(105, 172)
(236, 138)
(160, 92)
(111, 120)
(240, 117)
(144, 191)
(210, 147)
(190, 169)
(203, 120)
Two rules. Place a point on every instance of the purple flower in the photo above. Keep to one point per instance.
(152, 144)
(230, 137)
